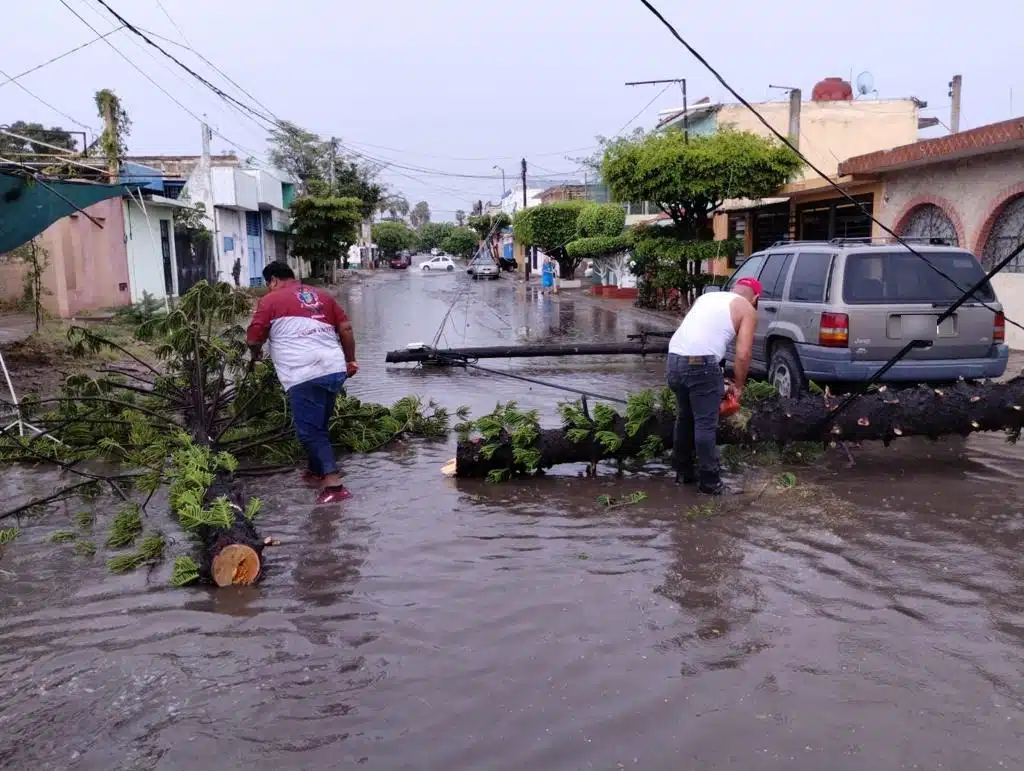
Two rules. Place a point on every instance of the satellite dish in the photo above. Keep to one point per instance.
(865, 83)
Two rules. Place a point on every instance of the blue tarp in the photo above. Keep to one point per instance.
(28, 207)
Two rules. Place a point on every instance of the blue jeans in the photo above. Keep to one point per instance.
(312, 408)
(699, 385)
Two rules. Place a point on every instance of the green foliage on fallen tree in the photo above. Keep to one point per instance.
(185, 417)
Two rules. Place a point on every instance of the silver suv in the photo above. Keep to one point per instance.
(836, 311)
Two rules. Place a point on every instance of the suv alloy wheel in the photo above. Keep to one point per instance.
(785, 372)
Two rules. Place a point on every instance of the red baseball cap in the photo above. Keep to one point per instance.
(752, 284)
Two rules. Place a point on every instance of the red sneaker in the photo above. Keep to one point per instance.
(310, 478)
(333, 495)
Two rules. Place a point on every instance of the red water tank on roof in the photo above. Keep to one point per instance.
(832, 90)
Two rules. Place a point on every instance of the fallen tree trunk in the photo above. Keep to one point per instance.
(883, 416)
(231, 555)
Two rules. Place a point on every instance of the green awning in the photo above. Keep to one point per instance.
(28, 206)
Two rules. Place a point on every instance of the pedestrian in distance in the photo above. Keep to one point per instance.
(547, 275)
(313, 349)
(695, 374)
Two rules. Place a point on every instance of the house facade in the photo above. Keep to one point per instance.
(826, 130)
(247, 211)
(130, 253)
(966, 189)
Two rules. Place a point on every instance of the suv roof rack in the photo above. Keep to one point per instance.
(788, 241)
(890, 241)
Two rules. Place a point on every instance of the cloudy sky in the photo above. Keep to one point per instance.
(449, 89)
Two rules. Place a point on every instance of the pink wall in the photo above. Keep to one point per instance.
(88, 265)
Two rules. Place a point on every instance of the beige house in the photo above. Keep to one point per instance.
(966, 189)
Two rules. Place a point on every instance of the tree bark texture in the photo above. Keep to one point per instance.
(960, 409)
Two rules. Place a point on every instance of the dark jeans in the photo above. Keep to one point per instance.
(312, 408)
(699, 384)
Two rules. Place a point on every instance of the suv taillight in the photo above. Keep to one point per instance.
(999, 328)
(834, 331)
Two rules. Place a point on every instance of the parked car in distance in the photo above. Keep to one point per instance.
(401, 262)
(435, 252)
(836, 311)
(441, 262)
(483, 266)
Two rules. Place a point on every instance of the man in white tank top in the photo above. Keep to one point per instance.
(695, 355)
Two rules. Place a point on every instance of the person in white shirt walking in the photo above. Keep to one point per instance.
(695, 355)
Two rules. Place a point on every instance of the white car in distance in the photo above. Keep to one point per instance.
(442, 262)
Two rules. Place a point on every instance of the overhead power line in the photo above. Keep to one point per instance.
(43, 102)
(57, 58)
(160, 88)
(220, 92)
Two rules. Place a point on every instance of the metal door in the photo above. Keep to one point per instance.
(195, 257)
(165, 248)
(254, 232)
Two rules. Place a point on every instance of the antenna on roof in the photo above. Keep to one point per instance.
(866, 84)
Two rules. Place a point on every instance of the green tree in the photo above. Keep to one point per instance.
(54, 135)
(433, 234)
(394, 204)
(489, 228)
(323, 228)
(420, 215)
(461, 242)
(460, 217)
(601, 219)
(550, 227)
(689, 181)
(299, 152)
(393, 237)
(355, 181)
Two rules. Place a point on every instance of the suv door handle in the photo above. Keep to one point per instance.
(771, 310)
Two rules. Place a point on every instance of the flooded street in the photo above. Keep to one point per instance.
(430, 623)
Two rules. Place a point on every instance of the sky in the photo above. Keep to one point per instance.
(451, 89)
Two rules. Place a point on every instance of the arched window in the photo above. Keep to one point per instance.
(930, 221)
(1006, 235)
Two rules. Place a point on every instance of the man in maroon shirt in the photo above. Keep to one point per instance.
(314, 351)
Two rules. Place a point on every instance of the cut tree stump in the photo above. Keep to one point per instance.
(232, 555)
(957, 410)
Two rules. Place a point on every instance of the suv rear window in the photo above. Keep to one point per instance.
(903, 277)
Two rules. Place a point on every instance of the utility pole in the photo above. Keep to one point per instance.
(682, 85)
(526, 251)
(206, 171)
(954, 111)
(503, 188)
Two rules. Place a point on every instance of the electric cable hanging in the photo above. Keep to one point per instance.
(43, 102)
(160, 88)
(48, 62)
(785, 140)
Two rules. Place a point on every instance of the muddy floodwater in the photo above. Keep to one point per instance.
(431, 624)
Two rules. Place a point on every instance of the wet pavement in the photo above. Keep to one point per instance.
(431, 623)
